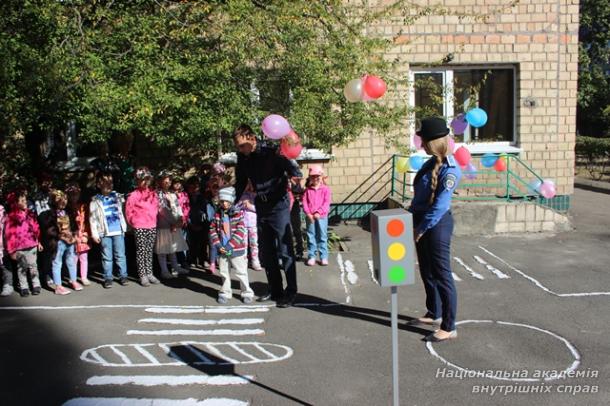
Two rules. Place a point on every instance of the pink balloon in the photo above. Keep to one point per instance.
(290, 145)
(547, 189)
(417, 141)
(451, 145)
(275, 126)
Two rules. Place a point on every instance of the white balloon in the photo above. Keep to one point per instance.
(353, 90)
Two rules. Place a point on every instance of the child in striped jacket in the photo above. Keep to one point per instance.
(228, 238)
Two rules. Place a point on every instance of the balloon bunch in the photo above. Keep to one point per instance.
(277, 127)
(545, 187)
(366, 88)
(498, 162)
(476, 117)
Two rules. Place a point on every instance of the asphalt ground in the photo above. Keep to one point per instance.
(539, 336)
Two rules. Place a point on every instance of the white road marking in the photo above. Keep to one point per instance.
(468, 269)
(540, 285)
(153, 402)
(483, 373)
(348, 297)
(352, 276)
(455, 277)
(171, 380)
(372, 271)
(122, 355)
(490, 268)
(170, 309)
(198, 322)
(200, 351)
(218, 332)
(209, 310)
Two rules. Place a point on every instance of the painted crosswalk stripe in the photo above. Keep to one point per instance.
(219, 332)
(145, 353)
(468, 269)
(170, 380)
(455, 277)
(198, 322)
(208, 310)
(154, 402)
(490, 268)
(122, 355)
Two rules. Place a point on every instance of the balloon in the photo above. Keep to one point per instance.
(450, 145)
(373, 86)
(402, 165)
(488, 160)
(459, 124)
(500, 164)
(547, 189)
(462, 156)
(416, 162)
(290, 145)
(470, 171)
(417, 141)
(353, 90)
(534, 186)
(275, 126)
(476, 117)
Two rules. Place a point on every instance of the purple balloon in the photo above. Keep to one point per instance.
(459, 124)
(470, 171)
(275, 126)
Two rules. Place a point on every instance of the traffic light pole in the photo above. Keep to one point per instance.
(395, 392)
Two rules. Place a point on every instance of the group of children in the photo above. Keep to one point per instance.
(180, 225)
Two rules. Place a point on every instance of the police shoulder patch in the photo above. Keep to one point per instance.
(449, 182)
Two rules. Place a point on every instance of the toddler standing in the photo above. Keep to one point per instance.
(248, 210)
(141, 211)
(227, 233)
(79, 211)
(316, 205)
(21, 234)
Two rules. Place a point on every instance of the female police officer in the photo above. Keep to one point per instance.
(433, 226)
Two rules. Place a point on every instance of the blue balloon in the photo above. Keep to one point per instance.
(534, 186)
(416, 162)
(476, 117)
(488, 160)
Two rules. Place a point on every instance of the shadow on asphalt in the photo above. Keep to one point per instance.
(219, 366)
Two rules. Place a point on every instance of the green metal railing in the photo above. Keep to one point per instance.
(513, 184)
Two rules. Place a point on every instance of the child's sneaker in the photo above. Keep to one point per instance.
(85, 281)
(36, 291)
(60, 290)
(222, 300)
(24, 292)
(247, 300)
(310, 262)
(124, 281)
(107, 283)
(7, 290)
(167, 275)
(144, 281)
(153, 279)
(212, 268)
(76, 286)
(257, 266)
(182, 270)
(324, 262)
(50, 284)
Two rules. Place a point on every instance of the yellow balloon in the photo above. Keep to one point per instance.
(396, 251)
(402, 165)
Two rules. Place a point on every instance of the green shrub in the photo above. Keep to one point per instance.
(592, 148)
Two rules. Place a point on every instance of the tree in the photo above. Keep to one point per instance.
(594, 68)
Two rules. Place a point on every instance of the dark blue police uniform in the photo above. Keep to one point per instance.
(435, 225)
(268, 172)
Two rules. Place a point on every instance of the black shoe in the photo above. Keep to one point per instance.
(107, 283)
(288, 301)
(123, 281)
(24, 292)
(36, 291)
(267, 298)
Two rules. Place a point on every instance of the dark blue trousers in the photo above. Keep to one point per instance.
(434, 256)
(275, 244)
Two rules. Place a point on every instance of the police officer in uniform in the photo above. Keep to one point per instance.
(433, 225)
(268, 172)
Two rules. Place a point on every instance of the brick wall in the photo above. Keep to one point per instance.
(539, 37)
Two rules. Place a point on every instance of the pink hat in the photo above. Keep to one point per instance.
(316, 170)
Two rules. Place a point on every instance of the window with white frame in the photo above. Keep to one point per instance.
(449, 91)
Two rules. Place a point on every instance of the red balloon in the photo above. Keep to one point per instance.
(374, 87)
(462, 156)
(290, 145)
(500, 164)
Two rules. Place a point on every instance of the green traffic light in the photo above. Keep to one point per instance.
(397, 274)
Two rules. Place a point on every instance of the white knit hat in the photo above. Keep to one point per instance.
(227, 194)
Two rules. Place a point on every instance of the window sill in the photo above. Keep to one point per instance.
(485, 148)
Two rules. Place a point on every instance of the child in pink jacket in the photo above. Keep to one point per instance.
(316, 205)
(141, 211)
(5, 273)
(21, 234)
